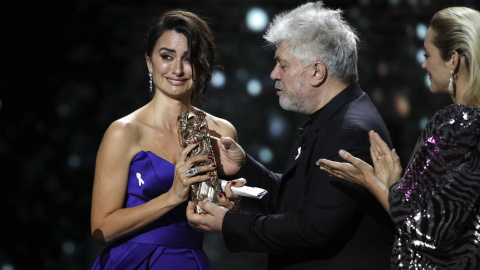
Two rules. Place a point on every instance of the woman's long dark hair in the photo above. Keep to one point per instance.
(202, 51)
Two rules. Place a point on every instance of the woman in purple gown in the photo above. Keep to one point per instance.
(141, 188)
(436, 203)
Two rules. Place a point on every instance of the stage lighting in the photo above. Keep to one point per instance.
(276, 126)
(68, 247)
(427, 81)
(265, 155)
(74, 161)
(254, 87)
(218, 79)
(7, 267)
(420, 56)
(257, 19)
(422, 123)
(421, 30)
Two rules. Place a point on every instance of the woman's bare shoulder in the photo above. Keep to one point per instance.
(123, 133)
(221, 126)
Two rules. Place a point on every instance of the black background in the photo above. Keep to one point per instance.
(74, 67)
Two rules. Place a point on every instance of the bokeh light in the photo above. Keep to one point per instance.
(421, 31)
(74, 161)
(277, 126)
(427, 80)
(265, 155)
(68, 247)
(7, 267)
(254, 87)
(420, 56)
(53, 117)
(423, 122)
(218, 79)
(402, 105)
(257, 19)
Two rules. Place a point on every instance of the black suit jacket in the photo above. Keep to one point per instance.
(309, 219)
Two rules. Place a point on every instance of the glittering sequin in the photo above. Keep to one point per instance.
(435, 204)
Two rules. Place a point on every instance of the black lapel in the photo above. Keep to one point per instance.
(315, 124)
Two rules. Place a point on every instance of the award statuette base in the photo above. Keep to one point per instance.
(192, 127)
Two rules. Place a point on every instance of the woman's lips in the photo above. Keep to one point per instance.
(176, 81)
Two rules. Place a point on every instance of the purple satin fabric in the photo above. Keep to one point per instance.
(167, 243)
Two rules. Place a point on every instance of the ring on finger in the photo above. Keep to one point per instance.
(191, 172)
(379, 158)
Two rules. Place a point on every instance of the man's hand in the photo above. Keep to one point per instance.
(229, 155)
(231, 201)
(209, 222)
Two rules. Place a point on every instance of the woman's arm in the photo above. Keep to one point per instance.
(109, 219)
(377, 180)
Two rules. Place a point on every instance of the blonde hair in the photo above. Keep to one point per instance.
(457, 29)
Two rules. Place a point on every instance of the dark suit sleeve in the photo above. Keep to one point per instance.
(258, 176)
(329, 207)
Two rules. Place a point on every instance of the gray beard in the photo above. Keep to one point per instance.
(288, 104)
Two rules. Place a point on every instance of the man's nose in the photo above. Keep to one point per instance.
(275, 74)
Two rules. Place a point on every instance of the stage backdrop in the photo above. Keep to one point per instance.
(74, 67)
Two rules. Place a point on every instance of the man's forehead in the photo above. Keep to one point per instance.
(281, 54)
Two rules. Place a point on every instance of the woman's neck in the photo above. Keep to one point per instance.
(164, 112)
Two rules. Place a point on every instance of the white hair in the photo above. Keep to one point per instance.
(312, 33)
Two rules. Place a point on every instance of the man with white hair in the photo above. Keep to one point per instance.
(309, 220)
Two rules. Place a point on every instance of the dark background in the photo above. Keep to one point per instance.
(74, 67)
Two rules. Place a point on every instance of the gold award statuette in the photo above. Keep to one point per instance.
(192, 127)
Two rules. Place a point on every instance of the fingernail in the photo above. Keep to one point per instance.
(229, 182)
(234, 183)
(341, 152)
(210, 157)
(211, 175)
(214, 166)
(322, 168)
(195, 142)
(220, 195)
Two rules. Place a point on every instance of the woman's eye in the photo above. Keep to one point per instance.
(166, 57)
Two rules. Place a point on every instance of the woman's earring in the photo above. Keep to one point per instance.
(451, 83)
(151, 81)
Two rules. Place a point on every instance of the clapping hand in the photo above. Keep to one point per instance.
(385, 171)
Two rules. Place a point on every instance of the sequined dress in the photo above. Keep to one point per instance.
(167, 243)
(436, 204)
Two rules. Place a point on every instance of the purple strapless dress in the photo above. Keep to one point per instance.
(167, 243)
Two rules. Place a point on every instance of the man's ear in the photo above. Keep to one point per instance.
(319, 73)
(149, 63)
